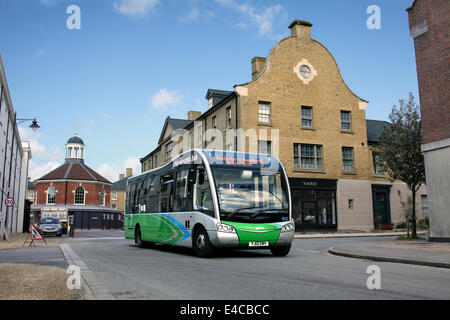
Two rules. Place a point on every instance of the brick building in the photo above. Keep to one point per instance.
(119, 190)
(77, 189)
(429, 22)
(298, 108)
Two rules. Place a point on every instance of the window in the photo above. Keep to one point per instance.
(346, 120)
(264, 113)
(169, 151)
(114, 206)
(79, 195)
(265, 147)
(114, 195)
(102, 197)
(307, 117)
(69, 152)
(305, 71)
(424, 205)
(377, 168)
(51, 195)
(347, 159)
(228, 117)
(308, 157)
(31, 195)
(76, 152)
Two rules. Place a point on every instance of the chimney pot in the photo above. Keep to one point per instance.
(129, 172)
(257, 66)
(301, 29)
(194, 115)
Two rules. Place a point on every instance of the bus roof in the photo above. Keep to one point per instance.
(216, 158)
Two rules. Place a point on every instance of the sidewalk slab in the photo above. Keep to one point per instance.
(422, 253)
(316, 235)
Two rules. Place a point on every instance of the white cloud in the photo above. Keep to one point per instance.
(263, 19)
(165, 98)
(112, 171)
(49, 3)
(43, 159)
(196, 13)
(135, 8)
(35, 170)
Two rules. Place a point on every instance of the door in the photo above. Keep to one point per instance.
(309, 212)
(381, 207)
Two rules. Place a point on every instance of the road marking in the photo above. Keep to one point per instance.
(96, 291)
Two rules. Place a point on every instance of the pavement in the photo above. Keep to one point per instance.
(417, 252)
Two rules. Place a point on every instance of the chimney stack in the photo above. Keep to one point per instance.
(129, 172)
(121, 176)
(301, 29)
(194, 115)
(257, 66)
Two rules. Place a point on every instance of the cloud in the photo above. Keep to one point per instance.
(196, 13)
(111, 171)
(43, 159)
(263, 19)
(135, 8)
(36, 170)
(49, 3)
(165, 98)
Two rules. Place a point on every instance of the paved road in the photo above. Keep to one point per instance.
(309, 272)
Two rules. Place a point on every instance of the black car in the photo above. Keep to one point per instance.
(50, 226)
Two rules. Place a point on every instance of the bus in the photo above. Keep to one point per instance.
(209, 199)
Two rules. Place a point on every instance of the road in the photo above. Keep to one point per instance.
(309, 272)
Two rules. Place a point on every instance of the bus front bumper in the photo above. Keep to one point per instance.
(241, 239)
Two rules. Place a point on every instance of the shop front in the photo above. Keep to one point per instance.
(314, 203)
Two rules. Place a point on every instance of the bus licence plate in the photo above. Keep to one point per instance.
(258, 244)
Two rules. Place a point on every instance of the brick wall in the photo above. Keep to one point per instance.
(429, 22)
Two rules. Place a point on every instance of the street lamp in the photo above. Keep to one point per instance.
(34, 125)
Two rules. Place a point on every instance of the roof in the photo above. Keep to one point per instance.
(75, 140)
(375, 128)
(120, 185)
(215, 92)
(74, 171)
(31, 185)
(175, 124)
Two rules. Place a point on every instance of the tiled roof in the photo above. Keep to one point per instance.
(120, 185)
(74, 171)
(375, 128)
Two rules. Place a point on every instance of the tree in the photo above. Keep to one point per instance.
(400, 149)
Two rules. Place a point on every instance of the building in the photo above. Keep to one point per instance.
(11, 155)
(298, 108)
(119, 190)
(78, 190)
(429, 22)
(23, 221)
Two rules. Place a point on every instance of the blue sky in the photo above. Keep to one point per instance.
(134, 62)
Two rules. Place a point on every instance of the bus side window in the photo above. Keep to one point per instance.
(153, 195)
(183, 192)
(166, 194)
(203, 199)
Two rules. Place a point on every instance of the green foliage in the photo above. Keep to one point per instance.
(400, 149)
(400, 145)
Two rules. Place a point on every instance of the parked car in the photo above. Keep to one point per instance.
(50, 226)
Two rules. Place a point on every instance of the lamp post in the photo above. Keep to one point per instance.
(34, 125)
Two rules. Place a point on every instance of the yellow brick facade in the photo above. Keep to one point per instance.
(277, 80)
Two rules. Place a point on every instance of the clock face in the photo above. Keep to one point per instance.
(305, 71)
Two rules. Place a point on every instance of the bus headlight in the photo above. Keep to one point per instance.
(288, 228)
(225, 228)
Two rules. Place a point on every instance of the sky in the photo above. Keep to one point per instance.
(132, 63)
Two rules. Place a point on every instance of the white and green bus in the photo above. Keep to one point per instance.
(208, 199)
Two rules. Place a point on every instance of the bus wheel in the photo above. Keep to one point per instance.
(202, 246)
(138, 238)
(280, 251)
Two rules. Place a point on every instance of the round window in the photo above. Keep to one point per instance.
(305, 71)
